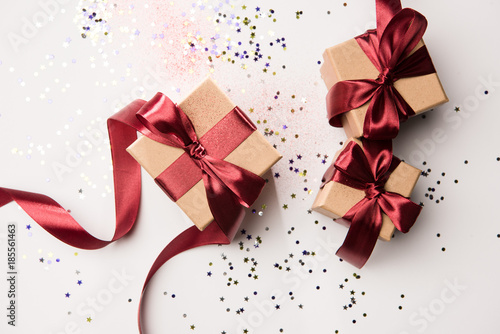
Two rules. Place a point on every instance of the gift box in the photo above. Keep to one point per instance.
(335, 199)
(348, 61)
(206, 106)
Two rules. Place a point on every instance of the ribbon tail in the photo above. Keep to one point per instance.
(245, 185)
(366, 222)
(224, 205)
(52, 217)
(382, 118)
(228, 215)
(127, 185)
(402, 211)
(189, 239)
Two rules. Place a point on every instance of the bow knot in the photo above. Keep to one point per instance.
(374, 190)
(196, 150)
(386, 77)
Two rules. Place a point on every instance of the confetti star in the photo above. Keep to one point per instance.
(79, 282)
(80, 191)
(457, 109)
(192, 327)
(243, 7)
(222, 299)
(276, 175)
(301, 306)
(209, 274)
(67, 294)
(293, 195)
(89, 319)
(249, 237)
(246, 299)
(245, 260)
(257, 9)
(285, 206)
(318, 155)
(290, 161)
(309, 211)
(299, 157)
(41, 260)
(28, 227)
(290, 255)
(288, 269)
(277, 307)
(245, 331)
(353, 292)
(243, 231)
(236, 282)
(345, 307)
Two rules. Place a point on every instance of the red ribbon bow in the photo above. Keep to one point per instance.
(227, 185)
(398, 33)
(368, 169)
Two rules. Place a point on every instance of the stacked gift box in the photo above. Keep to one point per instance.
(375, 81)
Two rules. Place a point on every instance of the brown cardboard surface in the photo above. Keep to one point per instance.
(347, 61)
(336, 199)
(205, 106)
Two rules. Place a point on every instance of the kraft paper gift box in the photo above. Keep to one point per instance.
(347, 61)
(205, 107)
(335, 199)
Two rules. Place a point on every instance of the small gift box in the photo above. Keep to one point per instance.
(224, 132)
(383, 76)
(369, 188)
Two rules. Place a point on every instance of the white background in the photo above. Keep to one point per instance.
(57, 85)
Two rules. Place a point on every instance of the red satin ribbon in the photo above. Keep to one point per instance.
(398, 33)
(368, 169)
(228, 186)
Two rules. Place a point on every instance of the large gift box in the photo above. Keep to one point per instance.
(335, 199)
(348, 61)
(207, 107)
